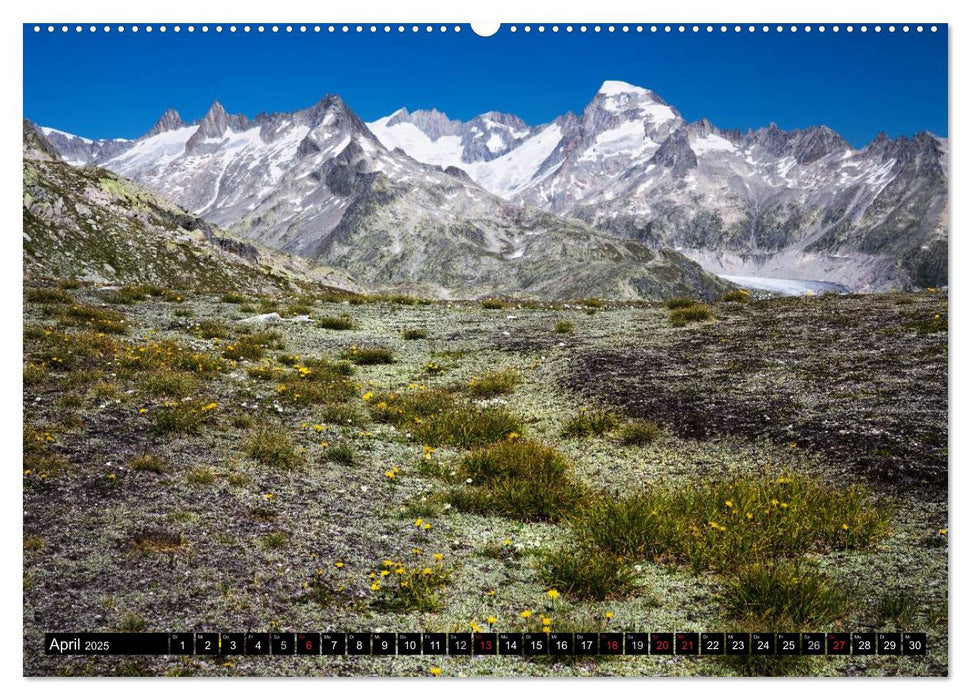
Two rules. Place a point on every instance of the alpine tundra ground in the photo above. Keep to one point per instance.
(381, 464)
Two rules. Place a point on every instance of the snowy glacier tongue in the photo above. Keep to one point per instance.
(785, 286)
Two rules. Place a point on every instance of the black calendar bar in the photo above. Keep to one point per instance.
(530, 644)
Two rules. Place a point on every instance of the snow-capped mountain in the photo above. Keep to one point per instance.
(798, 204)
(319, 183)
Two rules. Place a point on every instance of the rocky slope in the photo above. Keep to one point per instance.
(797, 204)
(91, 224)
(319, 184)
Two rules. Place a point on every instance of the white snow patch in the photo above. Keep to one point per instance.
(47, 131)
(711, 142)
(155, 151)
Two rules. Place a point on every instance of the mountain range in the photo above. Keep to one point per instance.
(626, 199)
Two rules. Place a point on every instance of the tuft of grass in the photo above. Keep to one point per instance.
(639, 433)
(518, 479)
(564, 327)
(368, 356)
(341, 414)
(586, 573)
(274, 540)
(132, 622)
(317, 382)
(467, 426)
(273, 446)
(93, 318)
(593, 303)
(150, 463)
(337, 323)
(187, 416)
(721, 525)
(340, 454)
(48, 295)
(210, 328)
(897, 606)
(33, 543)
(234, 298)
(925, 325)
(680, 317)
(414, 333)
(253, 346)
(498, 383)
(493, 304)
(200, 476)
(788, 594)
(157, 540)
(679, 303)
(168, 383)
(739, 296)
(400, 587)
(587, 423)
(408, 408)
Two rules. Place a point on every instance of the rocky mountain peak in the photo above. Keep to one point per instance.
(167, 122)
(809, 145)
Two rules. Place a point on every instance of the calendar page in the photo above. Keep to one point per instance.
(438, 350)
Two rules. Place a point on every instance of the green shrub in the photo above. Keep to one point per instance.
(587, 423)
(564, 327)
(494, 304)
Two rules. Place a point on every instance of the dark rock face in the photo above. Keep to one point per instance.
(675, 153)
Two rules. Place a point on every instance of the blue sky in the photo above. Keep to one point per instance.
(116, 85)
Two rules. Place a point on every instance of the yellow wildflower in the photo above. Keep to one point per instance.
(526, 614)
(438, 556)
(553, 594)
(435, 671)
